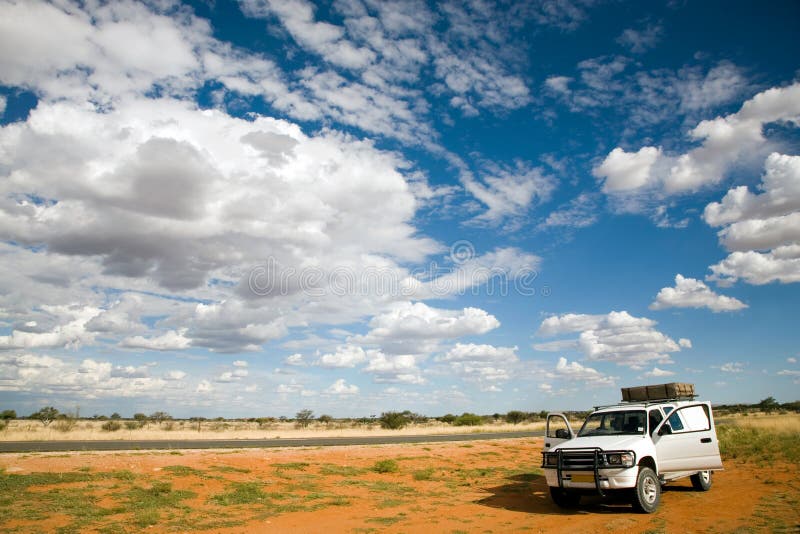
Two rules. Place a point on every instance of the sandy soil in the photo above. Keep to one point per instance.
(483, 486)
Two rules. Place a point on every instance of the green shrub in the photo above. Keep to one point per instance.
(393, 420)
(65, 424)
(468, 419)
(3, 424)
(111, 426)
(424, 474)
(386, 466)
(132, 425)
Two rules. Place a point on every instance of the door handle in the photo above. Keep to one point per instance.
(705, 440)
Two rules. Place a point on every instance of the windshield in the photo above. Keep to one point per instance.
(614, 424)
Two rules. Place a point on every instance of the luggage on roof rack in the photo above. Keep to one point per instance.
(673, 390)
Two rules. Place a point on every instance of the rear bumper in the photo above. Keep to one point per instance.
(610, 479)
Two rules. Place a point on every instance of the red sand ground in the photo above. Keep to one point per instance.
(483, 486)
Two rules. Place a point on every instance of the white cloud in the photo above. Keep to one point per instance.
(574, 371)
(296, 360)
(204, 387)
(508, 192)
(624, 171)
(791, 360)
(341, 388)
(580, 212)
(639, 41)
(69, 330)
(171, 340)
(3, 103)
(174, 375)
(485, 365)
(345, 356)
(240, 363)
(723, 141)
(685, 343)
(616, 337)
(417, 327)
(732, 367)
(760, 230)
(657, 373)
(691, 293)
(400, 368)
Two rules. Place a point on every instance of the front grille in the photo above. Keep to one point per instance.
(578, 461)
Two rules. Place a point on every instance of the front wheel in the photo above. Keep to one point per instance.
(701, 481)
(647, 493)
(564, 498)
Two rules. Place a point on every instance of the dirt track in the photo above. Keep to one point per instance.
(484, 486)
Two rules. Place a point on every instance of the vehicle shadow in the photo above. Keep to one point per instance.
(530, 493)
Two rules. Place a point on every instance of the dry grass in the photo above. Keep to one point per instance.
(23, 430)
(783, 423)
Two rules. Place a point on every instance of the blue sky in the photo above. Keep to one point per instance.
(252, 208)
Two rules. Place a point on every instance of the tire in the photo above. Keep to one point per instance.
(647, 493)
(701, 481)
(564, 498)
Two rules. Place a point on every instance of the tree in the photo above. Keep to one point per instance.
(304, 418)
(45, 415)
(769, 405)
(159, 417)
(326, 419)
(515, 417)
(447, 418)
(394, 420)
(115, 415)
(5, 415)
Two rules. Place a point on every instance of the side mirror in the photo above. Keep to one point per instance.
(562, 433)
(666, 429)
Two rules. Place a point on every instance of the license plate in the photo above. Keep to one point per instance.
(583, 478)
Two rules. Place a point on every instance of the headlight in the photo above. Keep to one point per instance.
(627, 459)
(551, 459)
(620, 459)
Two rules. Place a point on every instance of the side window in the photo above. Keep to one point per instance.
(675, 422)
(690, 419)
(654, 418)
(696, 418)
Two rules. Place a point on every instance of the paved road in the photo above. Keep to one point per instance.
(119, 445)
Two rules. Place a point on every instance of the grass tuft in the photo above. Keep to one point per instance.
(386, 466)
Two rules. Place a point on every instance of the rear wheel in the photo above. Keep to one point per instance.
(564, 498)
(701, 481)
(647, 493)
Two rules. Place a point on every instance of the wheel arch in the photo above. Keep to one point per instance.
(648, 461)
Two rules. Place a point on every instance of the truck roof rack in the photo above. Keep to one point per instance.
(647, 402)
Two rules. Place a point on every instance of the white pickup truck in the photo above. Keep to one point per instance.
(634, 447)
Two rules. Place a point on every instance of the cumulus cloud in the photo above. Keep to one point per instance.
(574, 371)
(485, 365)
(398, 368)
(345, 356)
(723, 141)
(341, 388)
(417, 327)
(760, 230)
(691, 293)
(171, 340)
(658, 373)
(616, 337)
(87, 379)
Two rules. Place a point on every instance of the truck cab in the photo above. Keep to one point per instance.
(632, 447)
